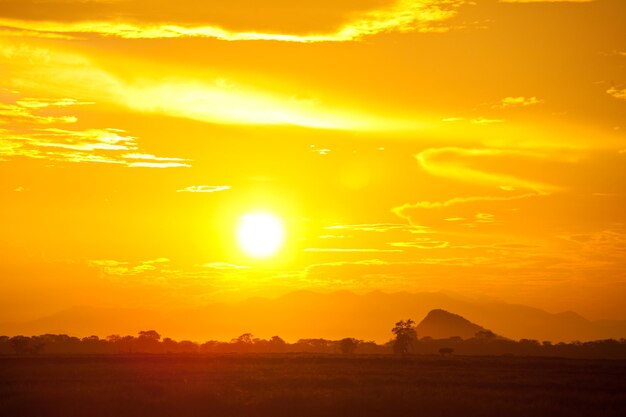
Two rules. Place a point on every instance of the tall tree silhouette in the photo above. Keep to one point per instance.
(406, 336)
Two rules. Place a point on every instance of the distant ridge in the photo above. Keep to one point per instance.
(441, 324)
(307, 314)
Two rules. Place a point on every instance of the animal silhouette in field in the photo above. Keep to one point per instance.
(446, 351)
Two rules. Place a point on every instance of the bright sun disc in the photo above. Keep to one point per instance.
(260, 235)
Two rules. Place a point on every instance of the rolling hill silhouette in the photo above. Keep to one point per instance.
(306, 314)
(440, 324)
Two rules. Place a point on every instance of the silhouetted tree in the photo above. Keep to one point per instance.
(187, 346)
(169, 345)
(348, 345)
(150, 335)
(529, 342)
(276, 344)
(127, 343)
(406, 336)
(19, 344)
(244, 339)
(147, 342)
(314, 345)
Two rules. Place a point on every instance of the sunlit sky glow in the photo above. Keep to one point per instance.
(429, 145)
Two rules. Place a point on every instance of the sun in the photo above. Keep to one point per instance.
(260, 235)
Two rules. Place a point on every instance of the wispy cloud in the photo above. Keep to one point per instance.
(465, 200)
(223, 266)
(455, 163)
(20, 113)
(460, 211)
(546, 1)
(115, 267)
(24, 137)
(517, 102)
(617, 93)
(41, 103)
(403, 16)
(422, 243)
(25, 33)
(485, 121)
(204, 189)
(348, 250)
(145, 164)
(319, 151)
(190, 98)
(375, 227)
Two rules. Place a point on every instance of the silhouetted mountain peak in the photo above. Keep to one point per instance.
(441, 324)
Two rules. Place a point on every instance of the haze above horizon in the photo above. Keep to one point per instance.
(158, 155)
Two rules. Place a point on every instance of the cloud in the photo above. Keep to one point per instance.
(484, 121)
(175, 275)
(204, 189)
(41, 103)
(456, 164)
(608, 245)
(336, 272)
(158, 164)
(190, 98)
(223, 266)
(349, 250)
(465, 200)
(617, 93)
(372, 238)
(375, 227)
(23, 33)
(460, 211)
(19, 113)
(422, 243)
(546, 1)
(115, 267)
(319, 151)
(24, 137)
(517, 102)
(401, 16)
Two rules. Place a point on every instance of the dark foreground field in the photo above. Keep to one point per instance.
(297, 386)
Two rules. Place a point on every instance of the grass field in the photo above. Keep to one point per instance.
(299, 385)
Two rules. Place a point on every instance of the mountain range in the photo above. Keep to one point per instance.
(335, 315)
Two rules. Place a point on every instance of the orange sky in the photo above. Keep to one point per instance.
(470, 147)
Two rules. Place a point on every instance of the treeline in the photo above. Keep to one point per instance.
(484, 343)
(481, 345)
(150, 341)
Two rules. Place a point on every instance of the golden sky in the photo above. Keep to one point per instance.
(474, 147)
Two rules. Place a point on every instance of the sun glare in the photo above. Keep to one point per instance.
(260, 235)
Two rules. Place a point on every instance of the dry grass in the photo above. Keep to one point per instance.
(309, 385)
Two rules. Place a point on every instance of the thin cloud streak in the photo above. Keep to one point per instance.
(204, 189)
(517, 102)
(356, 250)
